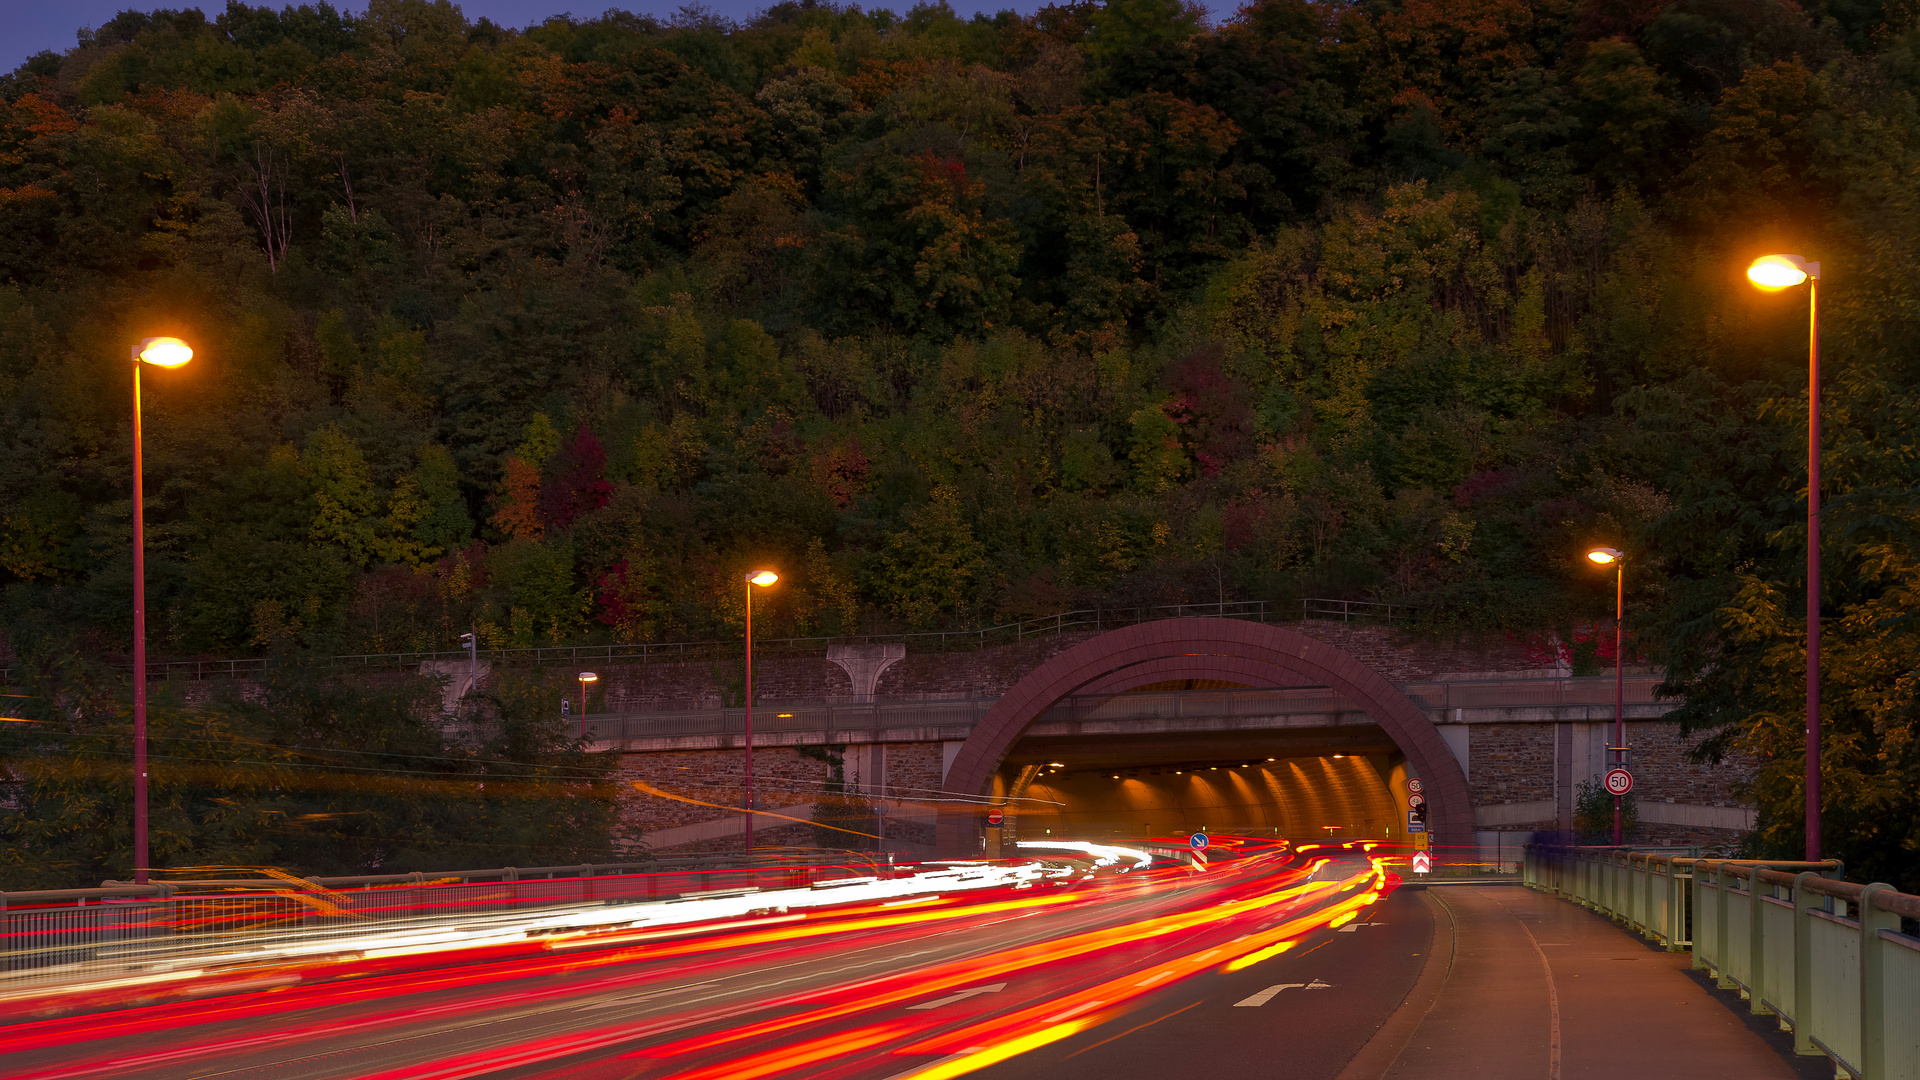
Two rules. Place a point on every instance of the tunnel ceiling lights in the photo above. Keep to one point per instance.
(1123, 772)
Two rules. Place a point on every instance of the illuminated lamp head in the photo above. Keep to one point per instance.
(1775, 272)
(163, 352)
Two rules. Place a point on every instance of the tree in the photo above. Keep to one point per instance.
(929, 568)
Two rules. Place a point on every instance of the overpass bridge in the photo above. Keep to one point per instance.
(1181, 724)
(1511, 700)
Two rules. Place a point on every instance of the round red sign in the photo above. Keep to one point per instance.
(994, 817)
(1619, 782)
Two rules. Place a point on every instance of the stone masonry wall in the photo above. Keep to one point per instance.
(1516, 763)
(781, 777)
(913, 768)
(1663, 771)
(1403, 657)
(1510, 763)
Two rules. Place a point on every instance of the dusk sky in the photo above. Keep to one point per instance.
(28, 26)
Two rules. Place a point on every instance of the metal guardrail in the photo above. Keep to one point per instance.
(76, 935)
(1355, 610)
(1133, 705)
(1089, 619)
(1833, 959)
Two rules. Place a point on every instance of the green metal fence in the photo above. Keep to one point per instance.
(1826, 956)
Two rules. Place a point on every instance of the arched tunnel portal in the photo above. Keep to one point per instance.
(1340, 776)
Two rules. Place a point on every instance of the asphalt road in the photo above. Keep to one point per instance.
(1302, 1015)
(1119, 977)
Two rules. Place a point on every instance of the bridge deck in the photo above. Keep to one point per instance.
(1504, 700)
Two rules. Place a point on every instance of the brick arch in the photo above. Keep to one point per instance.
(1225, 649)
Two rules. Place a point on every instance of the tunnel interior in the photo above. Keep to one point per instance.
(1300, 778)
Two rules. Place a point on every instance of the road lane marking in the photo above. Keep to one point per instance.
(1268, 994)
(961, 996)
(1351, 927)
(1151, 979)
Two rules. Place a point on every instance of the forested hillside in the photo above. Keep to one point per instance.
(553, 332)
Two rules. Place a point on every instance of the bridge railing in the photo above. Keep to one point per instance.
(77, 935)
(1838, 962)
(838, 717)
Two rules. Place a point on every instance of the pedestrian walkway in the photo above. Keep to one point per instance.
(1521, 985)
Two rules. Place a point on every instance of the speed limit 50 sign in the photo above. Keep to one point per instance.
(1619, 782)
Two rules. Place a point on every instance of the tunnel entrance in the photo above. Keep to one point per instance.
(1327, 782)
(1268, 731)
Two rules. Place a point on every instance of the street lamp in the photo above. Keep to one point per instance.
(1772, 273)
(1610, 556)
(761, 578)
(167, 352)
(585, 678)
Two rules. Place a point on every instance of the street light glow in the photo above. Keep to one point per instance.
(165, 351)
(1604, 556)
(1774, 272)
(588, 676)
(763, 577)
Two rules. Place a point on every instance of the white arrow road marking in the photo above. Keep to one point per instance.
(1352, 926)
(961, 996)
(1267, 995)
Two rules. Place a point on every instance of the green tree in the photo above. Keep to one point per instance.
(931, 567)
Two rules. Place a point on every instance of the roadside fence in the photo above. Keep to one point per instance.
(1837, 962)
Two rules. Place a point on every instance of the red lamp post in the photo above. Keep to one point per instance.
(762, 578)
(1603, 556)
(169, 353)
(1772, 273)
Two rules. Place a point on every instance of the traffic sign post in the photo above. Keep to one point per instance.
(1414, 824)
(1422, 863)
(1420, 841)
(1414, 785)
(1619, 782)
(1416, 799)
(1197, 843)
(995, 817)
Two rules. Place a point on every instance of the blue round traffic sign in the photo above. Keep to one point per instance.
(1198, 840)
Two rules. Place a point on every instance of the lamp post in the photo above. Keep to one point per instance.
(1772, 273)
(762, 578)
(165, 352)
(1604, 556)
(585, 678)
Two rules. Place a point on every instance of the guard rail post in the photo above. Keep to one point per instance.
(1696, 888)
(1678, 905)
(1725, 881)
(1873, 979)
(1756, 945)
(1802, 964)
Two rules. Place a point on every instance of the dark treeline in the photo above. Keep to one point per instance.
(553, 332)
